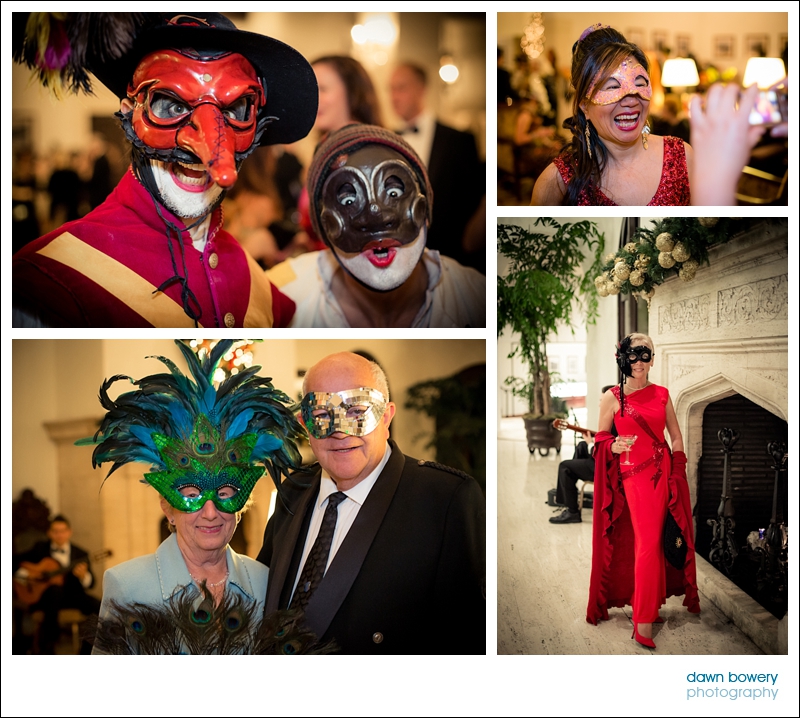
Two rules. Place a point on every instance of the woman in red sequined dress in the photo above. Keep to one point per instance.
(612, 158)
(639, 482)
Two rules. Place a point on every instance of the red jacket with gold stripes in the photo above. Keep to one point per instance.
(104, 270)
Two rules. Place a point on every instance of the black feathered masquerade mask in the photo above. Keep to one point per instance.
(627, 355)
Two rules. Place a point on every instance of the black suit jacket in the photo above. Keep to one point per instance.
(409, 577)
(458, 179)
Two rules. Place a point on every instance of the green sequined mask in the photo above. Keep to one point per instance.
(205, 468)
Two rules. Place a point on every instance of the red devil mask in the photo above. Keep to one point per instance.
(207, 107)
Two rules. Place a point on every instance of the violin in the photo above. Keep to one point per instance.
(562, 425)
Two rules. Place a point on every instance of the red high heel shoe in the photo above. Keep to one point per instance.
(642, 640)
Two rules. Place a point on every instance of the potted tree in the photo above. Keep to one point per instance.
(547, 281)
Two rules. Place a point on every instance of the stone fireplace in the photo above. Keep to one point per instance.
(725, 334)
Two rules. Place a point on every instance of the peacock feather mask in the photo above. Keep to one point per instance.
(203, 444)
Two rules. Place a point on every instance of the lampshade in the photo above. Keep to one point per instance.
(680, 72)
(763, 71)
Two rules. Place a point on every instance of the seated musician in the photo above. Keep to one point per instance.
(53, 575)
(580, 466)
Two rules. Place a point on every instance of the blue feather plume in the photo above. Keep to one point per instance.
(169, 404)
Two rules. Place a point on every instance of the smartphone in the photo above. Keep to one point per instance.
(771, 108)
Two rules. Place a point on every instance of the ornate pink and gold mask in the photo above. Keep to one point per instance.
(631, 79)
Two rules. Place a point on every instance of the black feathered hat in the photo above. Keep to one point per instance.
(62, 47)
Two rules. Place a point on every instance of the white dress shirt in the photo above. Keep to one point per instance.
(455, 297)
(347, 511)
(422, 140)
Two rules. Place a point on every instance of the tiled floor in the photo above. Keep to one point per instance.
(543, 575)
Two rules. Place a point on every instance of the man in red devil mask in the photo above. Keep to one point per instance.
(197, 97)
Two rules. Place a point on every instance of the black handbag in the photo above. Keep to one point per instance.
(675, 547)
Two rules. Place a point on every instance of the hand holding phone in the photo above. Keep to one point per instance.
(771, 108)
(722, 139)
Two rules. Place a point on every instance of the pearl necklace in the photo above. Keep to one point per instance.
(631, 390)
(209, 585)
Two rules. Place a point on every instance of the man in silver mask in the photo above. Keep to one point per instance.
(383, 553)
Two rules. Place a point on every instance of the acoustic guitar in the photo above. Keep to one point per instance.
(562, 425)
(47, 572)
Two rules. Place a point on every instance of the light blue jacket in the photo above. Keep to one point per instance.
(153, 579)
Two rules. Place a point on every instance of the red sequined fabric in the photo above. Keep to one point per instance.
(673, 190)
(646, 417)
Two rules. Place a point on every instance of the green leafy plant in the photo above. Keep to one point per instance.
(458, 406)
(543, 287)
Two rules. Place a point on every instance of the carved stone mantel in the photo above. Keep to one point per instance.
(726, 333)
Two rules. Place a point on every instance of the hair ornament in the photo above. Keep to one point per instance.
(589, 30)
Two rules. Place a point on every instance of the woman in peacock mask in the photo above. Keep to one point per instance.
(207, 448)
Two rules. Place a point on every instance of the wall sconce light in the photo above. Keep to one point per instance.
(377, 30)
(375, 38)
(447, 69)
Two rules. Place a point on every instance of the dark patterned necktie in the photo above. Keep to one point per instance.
(317, 560)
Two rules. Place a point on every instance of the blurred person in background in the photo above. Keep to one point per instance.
(451, 157)
(254, 213)
(536, 142)
(346, 96)
(25, 226)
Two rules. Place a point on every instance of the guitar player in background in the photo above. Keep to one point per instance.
(580, 466)
(53, 575)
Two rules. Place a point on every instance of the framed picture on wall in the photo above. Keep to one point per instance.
(757, 45)
(724, 47)
(659, 40)
(635, 35)
(682, 45)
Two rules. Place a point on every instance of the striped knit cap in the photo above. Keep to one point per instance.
(346, 141)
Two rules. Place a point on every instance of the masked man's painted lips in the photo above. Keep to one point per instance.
(191, 178)
(381, 253)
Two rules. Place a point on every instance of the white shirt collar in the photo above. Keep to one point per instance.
(360, 491)
(424, 121)
(422, 139)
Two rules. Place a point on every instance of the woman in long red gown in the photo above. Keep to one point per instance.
(632, 499)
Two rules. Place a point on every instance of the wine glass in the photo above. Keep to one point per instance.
(629, 440)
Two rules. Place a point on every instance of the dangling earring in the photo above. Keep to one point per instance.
(645, 133)
(588, 139)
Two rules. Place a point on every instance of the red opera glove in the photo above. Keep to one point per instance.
(678, 465)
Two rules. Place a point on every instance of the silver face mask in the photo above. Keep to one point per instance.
(355, 412)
